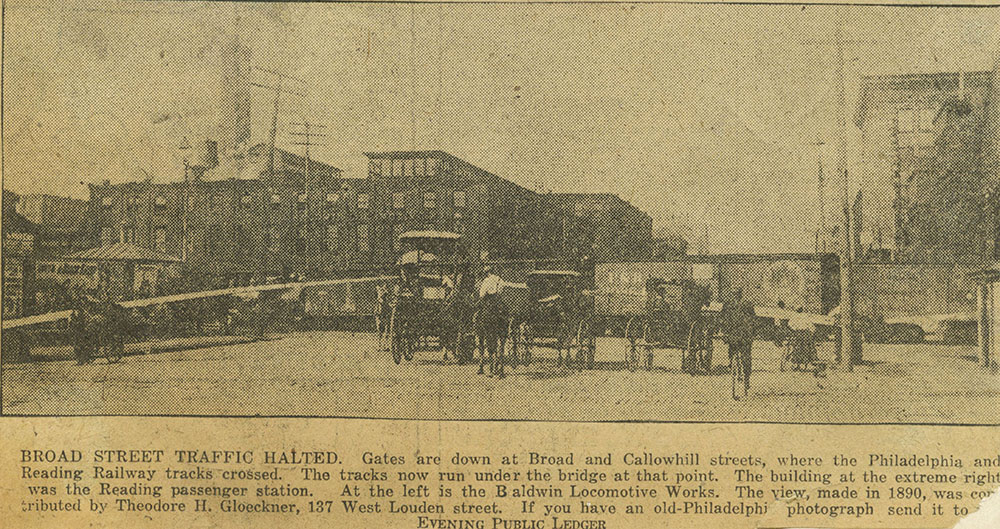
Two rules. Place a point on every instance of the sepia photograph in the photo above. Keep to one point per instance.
(542, 212)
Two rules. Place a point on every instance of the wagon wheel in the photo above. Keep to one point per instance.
(395, 343)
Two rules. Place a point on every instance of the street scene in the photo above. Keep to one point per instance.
(343, 375)
(429, 212)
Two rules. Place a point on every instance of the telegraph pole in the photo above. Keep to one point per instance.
(850, 351)
(278, 89)
(306, 136)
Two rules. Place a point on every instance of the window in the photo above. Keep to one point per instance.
(362, 200)
(418, 167)
(375, 167)
(927, 116)
(430, 200)
(332, 243)
(407, 167)
(275, 199)
(332, 198)
(300, 241)
(246, 200)
(106, 202)
(906, 120)
(363, 245)
(398, 200)
(459, 199)
(160, 202)
(432, 166)
(397, 167)
(128, 234)
(160, 239)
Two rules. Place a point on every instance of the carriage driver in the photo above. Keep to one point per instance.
(490, 286)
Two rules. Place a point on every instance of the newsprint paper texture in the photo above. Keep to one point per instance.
(535, 265)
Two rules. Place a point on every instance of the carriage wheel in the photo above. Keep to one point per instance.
(395, 344)
(409, 344)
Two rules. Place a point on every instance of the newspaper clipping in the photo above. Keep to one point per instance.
(500, 265)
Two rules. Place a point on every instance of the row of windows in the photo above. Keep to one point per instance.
(407, 167)
(363, 200)
(430, 200)
(214, 238)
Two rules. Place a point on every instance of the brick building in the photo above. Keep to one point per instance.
(435, 190)
(901, 118)
(62, 223)
(602, 226)
(244, 222)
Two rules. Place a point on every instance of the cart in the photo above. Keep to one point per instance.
(431, 306)
(677, 316)
(559, 315)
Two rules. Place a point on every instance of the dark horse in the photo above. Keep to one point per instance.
(491, 333)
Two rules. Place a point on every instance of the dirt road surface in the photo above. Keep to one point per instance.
(345, 375)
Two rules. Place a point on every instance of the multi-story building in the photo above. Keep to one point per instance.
(900, 117)
(438, 191)
(18, 258)
(245, 224)
(601, 226)
(61, 221)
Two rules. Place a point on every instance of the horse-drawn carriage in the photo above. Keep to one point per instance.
(558, 313)
(676, 317)
(99, 329)
(432, 302)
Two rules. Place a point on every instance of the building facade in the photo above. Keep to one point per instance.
(62, 223)
(302, 218)
(601, 226)
(243, 221)
(18, 259)
(433, 190)
(901, 119)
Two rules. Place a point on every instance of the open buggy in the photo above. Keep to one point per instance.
(559, 315)
(676, 317)
(431, 306)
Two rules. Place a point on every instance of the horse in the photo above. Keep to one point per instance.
(491, 322)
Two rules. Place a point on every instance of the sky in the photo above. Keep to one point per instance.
(704, 116)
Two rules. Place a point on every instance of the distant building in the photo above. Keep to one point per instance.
(902, 118)
(245, 224)
(437, 191)
(602, 226)
(62, 223)
(18, 258)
